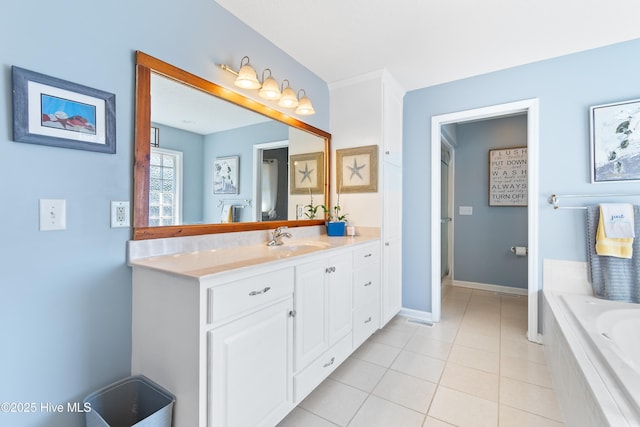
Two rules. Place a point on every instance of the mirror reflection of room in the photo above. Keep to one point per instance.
(214, 162)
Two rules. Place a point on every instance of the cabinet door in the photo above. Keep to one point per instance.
(392, 279)
(311, 337)
(340, 290)
(392, 238)
(392, 125)
(250, 369)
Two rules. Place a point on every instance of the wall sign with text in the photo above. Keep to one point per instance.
(508, 177)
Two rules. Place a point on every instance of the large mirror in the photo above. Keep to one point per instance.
(209, 160)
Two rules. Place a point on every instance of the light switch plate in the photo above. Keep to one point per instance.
(120, 214)
(53, 214)
(466, 210)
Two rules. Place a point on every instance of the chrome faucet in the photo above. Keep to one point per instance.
(277, 235)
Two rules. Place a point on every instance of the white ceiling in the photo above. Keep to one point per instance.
(426, 42)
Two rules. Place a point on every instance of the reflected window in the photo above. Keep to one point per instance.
(165, 187)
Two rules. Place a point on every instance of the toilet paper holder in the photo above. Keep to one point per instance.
(520, 250)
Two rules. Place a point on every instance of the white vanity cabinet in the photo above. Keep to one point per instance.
(323, 322)
(222, 344)
(241, 347)
(250, 359)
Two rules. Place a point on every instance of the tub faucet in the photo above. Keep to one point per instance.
(277, 235)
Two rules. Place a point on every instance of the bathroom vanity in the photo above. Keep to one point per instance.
(242, 334)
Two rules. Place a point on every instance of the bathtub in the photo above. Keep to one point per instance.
(592, 347)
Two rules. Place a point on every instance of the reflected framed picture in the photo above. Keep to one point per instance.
(357, 170)
(615, 142)
(225, 175)
(54, 112)
(307, 173)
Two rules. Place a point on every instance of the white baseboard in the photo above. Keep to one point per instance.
(416, 314)
(489, 287)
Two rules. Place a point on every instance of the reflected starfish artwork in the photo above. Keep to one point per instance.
(306, 173)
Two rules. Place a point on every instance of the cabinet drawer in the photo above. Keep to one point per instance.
(246, 294)
(366, 256)
(321, 368)
(366, 321)
(366, 286)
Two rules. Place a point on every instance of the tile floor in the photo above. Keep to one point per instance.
(475, 368)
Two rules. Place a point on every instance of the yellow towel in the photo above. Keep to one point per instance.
(611, 246)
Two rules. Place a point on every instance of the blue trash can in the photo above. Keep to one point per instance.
(132, 401)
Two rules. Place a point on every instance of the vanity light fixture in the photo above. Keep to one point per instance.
(247, 77)
(289, 98)
(270, 88)
(304, 104)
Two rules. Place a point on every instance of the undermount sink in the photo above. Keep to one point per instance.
(299, 245)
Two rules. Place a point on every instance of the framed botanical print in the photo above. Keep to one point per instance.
(357, 170)
(307, 173)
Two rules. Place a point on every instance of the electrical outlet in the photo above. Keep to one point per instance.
(120, 214)
(53, 214)
(299, 211)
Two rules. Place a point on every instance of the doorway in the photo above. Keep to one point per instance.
(270, 181)
(530, 108)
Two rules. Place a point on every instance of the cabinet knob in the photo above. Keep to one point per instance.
(367, 255)
(330, 270)
(368, 283)
(368, 320)
(292, 313)
(386, 243)
(387, 152)
(261, 291)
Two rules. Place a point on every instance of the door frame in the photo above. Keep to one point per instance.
(531, 108)
(451, 200)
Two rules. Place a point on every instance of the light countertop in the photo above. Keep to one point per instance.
(205, 262)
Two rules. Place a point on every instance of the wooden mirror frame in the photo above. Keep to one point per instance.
(145, 65)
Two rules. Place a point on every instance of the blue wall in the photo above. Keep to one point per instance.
(237, 142)
(65, 309)
(566, 87)
(483, 240)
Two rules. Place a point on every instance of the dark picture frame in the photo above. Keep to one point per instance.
(58, 113)
(508, 177)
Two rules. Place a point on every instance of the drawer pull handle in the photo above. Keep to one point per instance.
(368, 283)
(368, 320)
(367, 255)
(326, 365)
(261, 291)
(330, 270)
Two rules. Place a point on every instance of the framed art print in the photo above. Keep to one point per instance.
(307, 173)
(225, 175)
(508, 177)
(58, 113)
(357, 170)
(615, 142)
